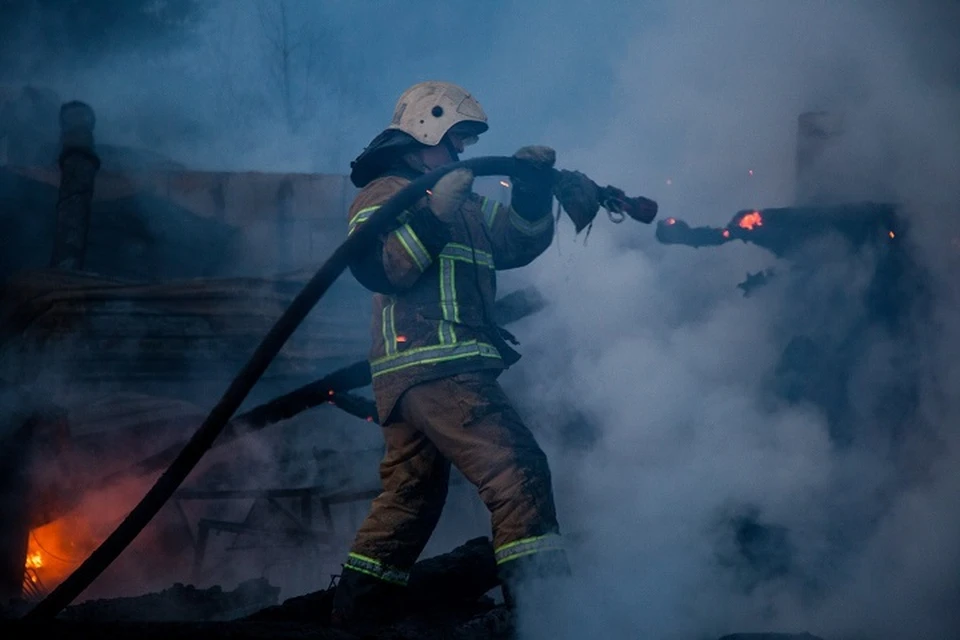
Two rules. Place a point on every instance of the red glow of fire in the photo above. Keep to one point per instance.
(54, 550)
(751, 220)
(892, 235)
(671, 221)
(401, 338)
(726, 233)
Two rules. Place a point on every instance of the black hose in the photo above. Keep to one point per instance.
(240, 387)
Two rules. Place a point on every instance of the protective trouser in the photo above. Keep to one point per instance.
(466, 420)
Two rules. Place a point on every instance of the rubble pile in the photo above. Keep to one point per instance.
(180, 603)
(449, 601)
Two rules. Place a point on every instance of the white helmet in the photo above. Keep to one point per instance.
(426, 111)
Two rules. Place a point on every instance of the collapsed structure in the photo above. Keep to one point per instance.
(132, 292)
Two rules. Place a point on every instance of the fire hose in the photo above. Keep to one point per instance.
(615, 201)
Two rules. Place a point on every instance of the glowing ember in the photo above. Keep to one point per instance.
(750, 172)
(751, 220)
(726, 233)
(504, 183)
(671, 221)
(892, 234)
(401, 338)
(34, 560)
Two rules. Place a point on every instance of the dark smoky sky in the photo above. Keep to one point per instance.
(654, 345)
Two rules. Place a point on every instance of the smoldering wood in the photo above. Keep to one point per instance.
(786, 230)
(78, 169)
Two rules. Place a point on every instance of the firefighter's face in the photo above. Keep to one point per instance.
(436, 156)
(453, 143)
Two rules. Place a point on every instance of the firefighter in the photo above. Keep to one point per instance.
(437, 353)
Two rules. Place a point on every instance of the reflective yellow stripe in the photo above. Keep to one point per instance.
(528, 546)
(364, 214)
(389, 327)
(432, 355)
(449, 309)
(464, 253)
(410, 242)
(359, 218)
(530, 228)
(489, 208)
(377, 569)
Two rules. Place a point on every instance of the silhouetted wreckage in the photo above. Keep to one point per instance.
(834, 325)
(138, 286)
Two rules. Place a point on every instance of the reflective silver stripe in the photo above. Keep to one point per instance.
(449, 310)
(489, 208)
(359, 218)
(432, 355)
(414, 247)
(463, 253)
(528, 546)
(530, 228)
(389, 329)
(377, 569)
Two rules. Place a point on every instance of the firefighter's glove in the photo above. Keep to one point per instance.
(579, 196)
(532, 196)
(449, 194)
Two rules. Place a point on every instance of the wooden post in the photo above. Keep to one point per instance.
(78, 169)
(15, 507)
(818, 134)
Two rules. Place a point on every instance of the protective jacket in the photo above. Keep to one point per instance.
(435, 286)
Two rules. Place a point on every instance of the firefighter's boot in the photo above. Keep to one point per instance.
(362, 603)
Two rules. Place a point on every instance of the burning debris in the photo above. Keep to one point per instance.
(785, 230)
(449, 598)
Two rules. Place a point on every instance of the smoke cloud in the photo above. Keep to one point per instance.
(697, 499)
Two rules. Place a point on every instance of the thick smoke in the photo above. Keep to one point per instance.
(671, 364)
(649, 355)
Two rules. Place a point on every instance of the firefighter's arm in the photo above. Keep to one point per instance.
(399, 257)
(522, 231)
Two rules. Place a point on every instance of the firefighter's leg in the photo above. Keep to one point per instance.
(473, 424)
(415, 479)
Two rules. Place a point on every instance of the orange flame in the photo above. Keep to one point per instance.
(55, 549)
(751, 220)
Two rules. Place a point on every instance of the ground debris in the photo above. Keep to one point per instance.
(450, 584)
(449, 601)
(181, 603)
